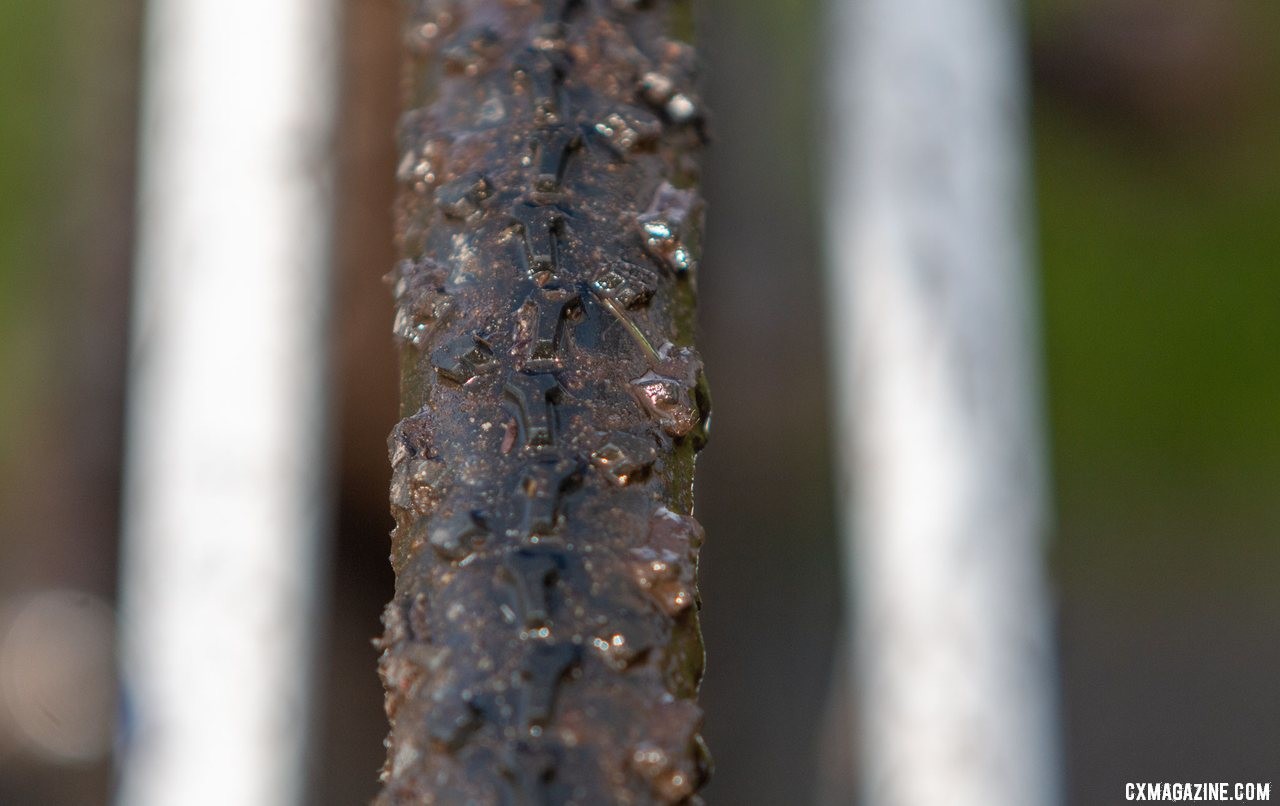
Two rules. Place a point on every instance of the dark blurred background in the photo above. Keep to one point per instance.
(1158, 188)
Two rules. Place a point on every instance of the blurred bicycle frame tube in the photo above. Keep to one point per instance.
(227, 446)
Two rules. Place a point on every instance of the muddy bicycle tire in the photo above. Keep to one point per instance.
(543, 644)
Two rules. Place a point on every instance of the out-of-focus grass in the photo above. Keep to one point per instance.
(33, 147)
(1160, 287)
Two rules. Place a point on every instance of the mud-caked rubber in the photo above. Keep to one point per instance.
(543, 644)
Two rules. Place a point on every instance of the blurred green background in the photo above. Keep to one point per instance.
(1157, 171)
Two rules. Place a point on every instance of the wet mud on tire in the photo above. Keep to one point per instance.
(543, 643)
